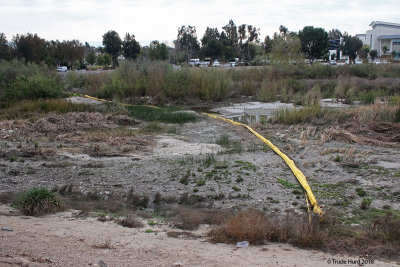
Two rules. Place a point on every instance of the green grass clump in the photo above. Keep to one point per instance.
(26, 108)
(223, 140)
(235, 188)
(245, 165)
(38, 201)
(361, 192)
(167, 115)
(287, 184)
(366, 203)
(303, 115)
(200, 182)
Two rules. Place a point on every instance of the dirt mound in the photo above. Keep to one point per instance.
(386, 134)
(78, 121)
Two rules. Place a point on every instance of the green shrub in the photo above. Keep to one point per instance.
(302, 115)
(33, 87)
(168, 115)
(361, 192)
(113, 88)
(25, 109)
(366, 203)
(268, 91)
(176, 84)
(223, 140)
(38, 201)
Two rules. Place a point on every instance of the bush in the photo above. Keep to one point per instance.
(25, 109)
(302, 115)
(251, 225)
(38, 201)
(366, 203)
(20, 81)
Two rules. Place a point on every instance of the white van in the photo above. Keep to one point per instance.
(194, 62)
(62, 69)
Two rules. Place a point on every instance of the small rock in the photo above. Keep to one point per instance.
(102, 264)
(6, 228)
(177, 264)
(242, 244)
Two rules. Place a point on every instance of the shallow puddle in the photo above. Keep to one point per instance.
(251, 119)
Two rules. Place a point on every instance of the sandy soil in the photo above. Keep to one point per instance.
(65, 240)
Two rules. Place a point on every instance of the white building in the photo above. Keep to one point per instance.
(382, 34)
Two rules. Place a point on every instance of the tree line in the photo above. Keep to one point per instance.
(233, 41)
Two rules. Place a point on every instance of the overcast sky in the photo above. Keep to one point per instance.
(88, 20)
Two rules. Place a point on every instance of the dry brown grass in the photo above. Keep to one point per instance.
(379, 239)
(250, 225)
(104, 245)
(256, 228)
(191, 218)
(130, 222)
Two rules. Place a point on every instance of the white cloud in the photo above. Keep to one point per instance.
(87, 20)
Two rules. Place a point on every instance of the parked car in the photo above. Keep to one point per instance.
(62, 69)
(216, 64)
(194, 62)
(358, 61)
(234, 62)
(333, 62)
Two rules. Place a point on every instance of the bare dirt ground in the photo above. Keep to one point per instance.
(208, 164)
(65, 240)
(112, 156)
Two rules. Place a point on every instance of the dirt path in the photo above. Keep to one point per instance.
(64, 240)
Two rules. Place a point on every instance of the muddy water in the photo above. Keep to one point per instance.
(258, 112)
(251, 111)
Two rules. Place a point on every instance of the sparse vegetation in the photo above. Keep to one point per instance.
(167, 115)
(330, 235)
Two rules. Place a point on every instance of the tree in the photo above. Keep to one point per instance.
(186, 42)
(334, 34)
(227, 49)
(247, 35)
(210, 43)
(72, 51)
(232, 36)
(91, 58)
(130, 47)
(267, 44)
(363, 52)
(373, 54)
(240, 38)
(4, 47)
(30, 47)
(112, 45)
(350, 46)
(283, 31)
(385, 49)
(64, 53)
(104, 59)
(314, 42)
(286, 50)
(158, 51)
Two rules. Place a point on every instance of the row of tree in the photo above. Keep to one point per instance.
(232, 42)
(243, 42)
(32, 48)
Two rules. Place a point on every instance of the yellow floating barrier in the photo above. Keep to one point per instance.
(299, 175)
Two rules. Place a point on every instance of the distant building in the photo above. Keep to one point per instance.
(382, 34)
